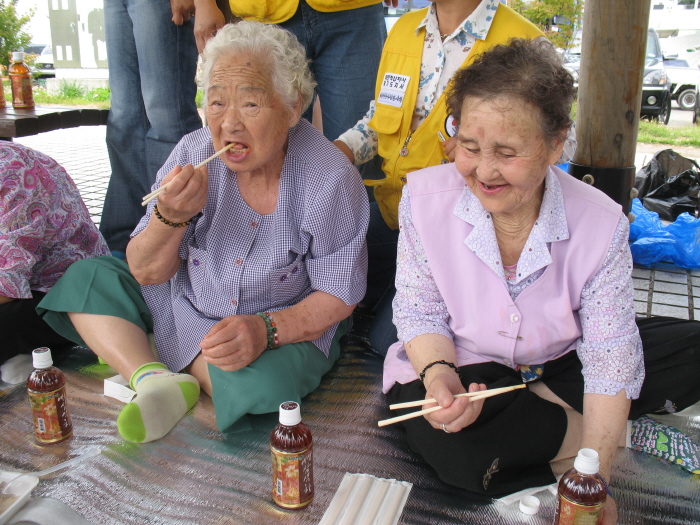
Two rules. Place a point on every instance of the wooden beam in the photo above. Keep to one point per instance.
(613, 51)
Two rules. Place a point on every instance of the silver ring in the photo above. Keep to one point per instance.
(445, 430)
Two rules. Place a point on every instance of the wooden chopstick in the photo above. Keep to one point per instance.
(421, 402)
(148, 198)
(474, 396)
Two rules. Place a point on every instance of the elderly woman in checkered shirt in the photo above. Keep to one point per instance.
(246, 270)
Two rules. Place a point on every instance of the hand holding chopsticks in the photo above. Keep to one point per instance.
(148, 198)
(473, 396)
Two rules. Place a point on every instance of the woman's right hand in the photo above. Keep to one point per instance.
(186, 194)
(457, 413)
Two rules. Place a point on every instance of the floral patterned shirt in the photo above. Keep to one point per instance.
(440, 61)
(44, 224)
(610, 348)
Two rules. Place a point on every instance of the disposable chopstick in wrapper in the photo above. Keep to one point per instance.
(362, 499)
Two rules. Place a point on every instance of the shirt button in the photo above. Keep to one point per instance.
(514, 318)
(195, 262)
(508, 362)
(234, 302)
(253, 224)
(239, 262)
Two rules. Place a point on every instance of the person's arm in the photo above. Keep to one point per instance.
(420, 315)
(359, 143)
(611, 354)
(153, 254)
(5, 300)
(208, 20)
(182, 11)
(238, 340)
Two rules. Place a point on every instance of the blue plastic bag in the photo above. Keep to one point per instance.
(652, 241)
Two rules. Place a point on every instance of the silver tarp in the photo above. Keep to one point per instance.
(196, 475)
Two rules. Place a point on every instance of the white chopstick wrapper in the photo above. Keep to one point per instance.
(118, 388)
(363, 499)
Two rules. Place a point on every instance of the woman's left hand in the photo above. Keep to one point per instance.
(235, 342)
(610, 512)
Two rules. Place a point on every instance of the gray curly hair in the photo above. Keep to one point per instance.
(277, 48)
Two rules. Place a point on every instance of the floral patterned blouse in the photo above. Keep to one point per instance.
(611, 353)
(440, 61)
(44, 224)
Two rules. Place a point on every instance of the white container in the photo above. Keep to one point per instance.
(20, 488)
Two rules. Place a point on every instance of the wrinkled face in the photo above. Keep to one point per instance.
(243, 108)
(501, 153)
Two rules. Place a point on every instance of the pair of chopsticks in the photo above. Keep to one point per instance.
(148, 198)
(473, 396)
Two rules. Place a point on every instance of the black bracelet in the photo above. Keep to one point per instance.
(170, 223)
(441, 362)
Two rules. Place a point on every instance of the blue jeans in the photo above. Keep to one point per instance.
(345, 48)
(152, 65)
(381, 274)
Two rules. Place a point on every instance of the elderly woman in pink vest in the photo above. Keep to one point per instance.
(510, 271)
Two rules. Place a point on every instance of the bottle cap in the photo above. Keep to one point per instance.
(290, 413)
(587, 461)
(41, 358)
(529, 505)
(17, 56)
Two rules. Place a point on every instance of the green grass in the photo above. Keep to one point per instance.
(655, 133)
(69, 94)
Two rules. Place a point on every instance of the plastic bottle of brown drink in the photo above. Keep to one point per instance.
(292, 459)
(21, 81)
(46, 387)
(582, 492)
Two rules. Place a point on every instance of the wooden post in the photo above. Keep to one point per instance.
(613, 52)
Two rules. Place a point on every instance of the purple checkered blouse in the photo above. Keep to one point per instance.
(236, 261)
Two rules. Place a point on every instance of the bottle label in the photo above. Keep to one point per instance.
(22, 91)
(571, 513)
(292, 478)
(51, 420)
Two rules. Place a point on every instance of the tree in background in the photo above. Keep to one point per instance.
(13, 37)
(542, 12)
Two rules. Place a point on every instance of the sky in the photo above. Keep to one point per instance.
(39, 27)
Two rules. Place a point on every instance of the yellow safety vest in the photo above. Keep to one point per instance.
(277, 11)
(399, 73)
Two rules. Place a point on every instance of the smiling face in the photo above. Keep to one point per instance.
(244, 109)
(501, 154)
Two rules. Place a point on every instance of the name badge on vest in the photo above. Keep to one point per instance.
(393, 89)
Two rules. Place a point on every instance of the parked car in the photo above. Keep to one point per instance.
(43, 64)
(656, 89)
(684, 82)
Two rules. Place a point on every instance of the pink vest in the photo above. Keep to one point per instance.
(542, 324)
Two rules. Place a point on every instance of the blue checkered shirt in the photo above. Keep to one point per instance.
(236, 261)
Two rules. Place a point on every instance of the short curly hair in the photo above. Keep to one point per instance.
(279, 51)
(529, 70)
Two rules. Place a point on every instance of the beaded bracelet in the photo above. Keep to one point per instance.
(440, 362)
(273, 339)
(607, 487)
(170, 223)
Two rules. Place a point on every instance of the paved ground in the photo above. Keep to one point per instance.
(664, 290)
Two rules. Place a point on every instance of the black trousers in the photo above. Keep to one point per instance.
(22, 330)
(509, 446)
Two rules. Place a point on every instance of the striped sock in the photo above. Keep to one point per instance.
(162, 398)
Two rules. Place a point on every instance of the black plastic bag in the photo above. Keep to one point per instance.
(669, 185)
